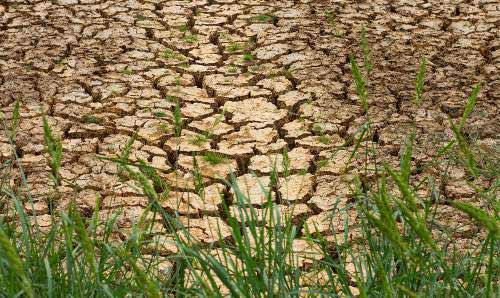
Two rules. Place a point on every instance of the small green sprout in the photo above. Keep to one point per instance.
(324, 139)
(160, 114)
(234, 47)
(90, 119)
(248, 57)
(127, 71)
(190, 38)
(199, 140)
(183, 28)
(214, 158)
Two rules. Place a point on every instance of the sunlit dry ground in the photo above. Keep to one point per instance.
(253, 78)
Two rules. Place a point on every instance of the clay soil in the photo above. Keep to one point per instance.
(252, 78)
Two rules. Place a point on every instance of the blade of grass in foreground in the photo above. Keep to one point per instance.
(470, 162)
(14, 262)
(469, 106)
(360, 84)
(366, 51)
(142, 279)
(480, 216)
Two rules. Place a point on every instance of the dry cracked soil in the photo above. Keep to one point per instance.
(252, 79)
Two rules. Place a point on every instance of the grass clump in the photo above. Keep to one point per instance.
(190, 38)
(199, 140)
(127, 71)
(214, 158)
(264, 18)
(247, 57)
(90, 119)
(232, 68)
(324, 139)
(234, 47)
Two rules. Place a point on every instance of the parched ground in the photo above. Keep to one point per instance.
(252, 78)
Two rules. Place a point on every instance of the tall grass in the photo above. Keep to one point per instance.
(396, 255)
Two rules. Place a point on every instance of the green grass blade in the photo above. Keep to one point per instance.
(470, 162)
(142, 279)
(15, 263)
(177, 117)
(360, 84)
(50, 281)
(406, 158)
(420, 80)
(403, 187)
(366, 51)
(483, 218)
(15, 120)
(469, 106)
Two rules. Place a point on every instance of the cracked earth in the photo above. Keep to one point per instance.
(253, 78)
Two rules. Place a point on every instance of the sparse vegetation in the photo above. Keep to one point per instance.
(264, 18)
(324, 139)
(127, 71)
(183, 28)
(160, 114)
(247, 57)
(214, 158)
(90, 119)
(234, 47)
(199, 182)
(177, 117)
(232, 68)
(190, 38)
(199, 140)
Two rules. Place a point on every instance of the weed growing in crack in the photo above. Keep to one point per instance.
(264, 18)
(199, 140)
(254, 68)
(168, 54)
(190, 38)
(287, 73)
(54, 149)
(214, 158)
(28, 66)
(247, 57)
(171, 99)
(183, 28)
(317, 129)
(285, 163)
(232, 68)
(163, 127)
(90, 119)
(160, 114)
(127, 71)
(234, 47)
(177, 117)
(469, 106)
(324, 139)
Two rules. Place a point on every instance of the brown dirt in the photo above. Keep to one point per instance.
(102, 69)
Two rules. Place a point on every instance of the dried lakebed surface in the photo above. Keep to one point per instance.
(253, 78)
